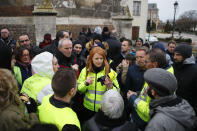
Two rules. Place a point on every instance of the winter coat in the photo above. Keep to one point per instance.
(52, 47)
(135, 79)
(10, 42)
(101, 122)
(186, 75)
(114, 53)
(41, 80)
(35, 50)
(22, 72)
(81, 61)
(5, 57)
(13, 118)
(65, 62)
(170, 113)
(95, 91)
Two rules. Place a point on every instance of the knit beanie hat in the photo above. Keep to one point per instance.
(140, 40)
(97, 37)
(184, 49)
(160, 46)
(162, 81)
(105, 29)
(77, 42)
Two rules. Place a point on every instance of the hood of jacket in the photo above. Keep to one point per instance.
(42, 64)
(190, 60)
(181, 112)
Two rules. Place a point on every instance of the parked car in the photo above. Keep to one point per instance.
(151, 38)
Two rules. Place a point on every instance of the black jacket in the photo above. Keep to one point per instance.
(114, 53)
(35, 50)
(9, 42)
(52, 47)
(186, 74)
(65, 62)
(101, 122)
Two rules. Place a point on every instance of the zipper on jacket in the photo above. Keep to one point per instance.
(95, 91)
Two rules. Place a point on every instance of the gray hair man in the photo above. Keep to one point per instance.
(111, 115)
(64, 55)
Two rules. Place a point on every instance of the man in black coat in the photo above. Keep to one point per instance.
(114, 53)
(53, 47)
(6, 39)
(185, 71)
(24, 40)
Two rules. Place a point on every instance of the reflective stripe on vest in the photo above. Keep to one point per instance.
(97, 92)
(92, 101)
(57, 116)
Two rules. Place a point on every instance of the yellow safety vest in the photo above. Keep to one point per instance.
(17, 73)
(95, 91)
(34, 84)
(57, 116)
(142, 102)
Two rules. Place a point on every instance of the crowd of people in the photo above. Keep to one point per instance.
(97, 82)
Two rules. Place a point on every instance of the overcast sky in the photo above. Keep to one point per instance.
(166, 7)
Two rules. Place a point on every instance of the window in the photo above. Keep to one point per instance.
(154, 16)
(136, 8)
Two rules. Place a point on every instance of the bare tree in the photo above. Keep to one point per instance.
(187, 21)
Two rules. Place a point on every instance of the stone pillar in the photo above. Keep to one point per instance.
(44, 20)
(123, 25)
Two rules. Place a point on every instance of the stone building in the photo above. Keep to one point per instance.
(28, 16)
(153, 14)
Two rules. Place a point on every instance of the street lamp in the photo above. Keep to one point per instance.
(175, 7)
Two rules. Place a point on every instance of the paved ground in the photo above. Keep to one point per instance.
(176, 35)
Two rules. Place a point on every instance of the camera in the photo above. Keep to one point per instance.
(111, 75)
(101, 79)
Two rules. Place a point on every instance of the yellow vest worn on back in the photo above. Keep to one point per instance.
(34, 84)
(57, 116)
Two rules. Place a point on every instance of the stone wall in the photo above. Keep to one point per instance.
(75, 29)
(72, 15)
(86, 8)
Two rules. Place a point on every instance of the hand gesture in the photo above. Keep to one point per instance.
(24, 98)
(75, 67)
(108, 83)
(89, 80)
(125, 63)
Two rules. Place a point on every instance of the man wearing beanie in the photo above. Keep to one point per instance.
(168, 112)
(185, 71)
(77, 48)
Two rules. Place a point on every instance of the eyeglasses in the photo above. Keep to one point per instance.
(22, 41)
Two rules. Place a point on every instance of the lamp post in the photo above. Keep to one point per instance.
(175, 7)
